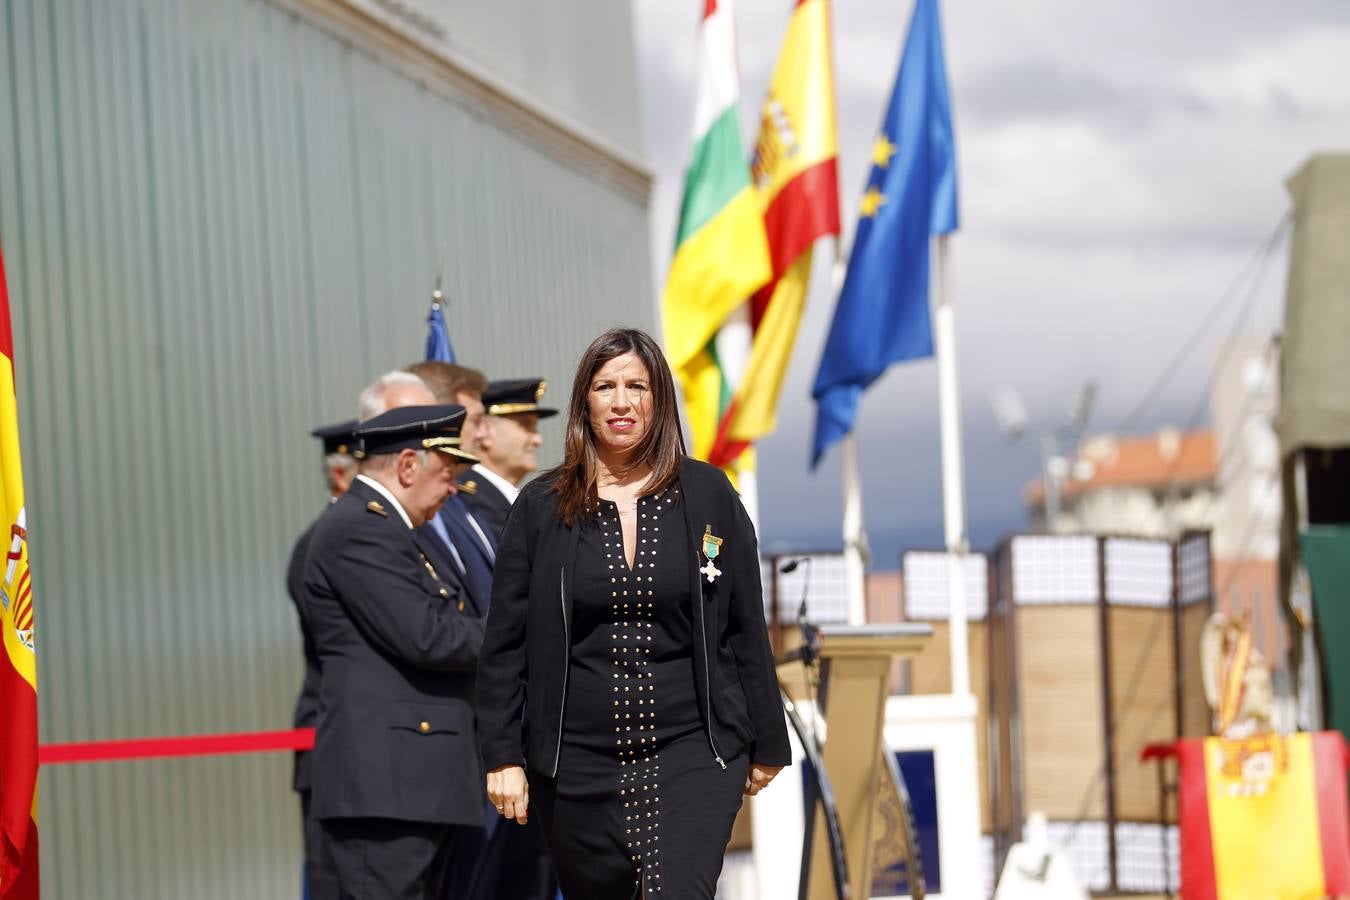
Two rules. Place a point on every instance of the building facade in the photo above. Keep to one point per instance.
(1224, 479)
(220, 220)
(1148, 486)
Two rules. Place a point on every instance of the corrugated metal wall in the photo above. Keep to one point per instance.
(219, 222)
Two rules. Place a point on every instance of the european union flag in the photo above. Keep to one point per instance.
(882, 313)
(438, 338)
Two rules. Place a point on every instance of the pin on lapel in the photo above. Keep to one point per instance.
(712, 548)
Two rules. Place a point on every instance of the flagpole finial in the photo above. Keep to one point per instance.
(438, 339)
(437, 298)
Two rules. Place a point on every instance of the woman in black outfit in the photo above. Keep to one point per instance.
(625, 688)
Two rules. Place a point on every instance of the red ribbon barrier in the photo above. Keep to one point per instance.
(191, 745)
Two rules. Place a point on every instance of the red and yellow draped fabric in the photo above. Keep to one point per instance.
(18, 667)
(796, 184)
(1264, 818)
(1232, 678)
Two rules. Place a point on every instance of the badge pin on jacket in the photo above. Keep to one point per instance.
(712, 548)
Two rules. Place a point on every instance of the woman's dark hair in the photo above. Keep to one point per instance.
(575, 480)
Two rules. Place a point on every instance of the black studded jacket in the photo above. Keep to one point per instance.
(523, 668)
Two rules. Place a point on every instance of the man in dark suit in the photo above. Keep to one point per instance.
(340, 469)
(511, 863)
(508, 452)
(470, 544)
(396, 775)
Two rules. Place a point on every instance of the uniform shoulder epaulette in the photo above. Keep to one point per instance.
(469, 487)
(375, 507)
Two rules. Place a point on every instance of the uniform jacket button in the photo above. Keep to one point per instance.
(425, 727)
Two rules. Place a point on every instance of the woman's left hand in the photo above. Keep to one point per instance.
(509, 791)
(759, 778)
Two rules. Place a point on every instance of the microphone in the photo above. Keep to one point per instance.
(810, 634)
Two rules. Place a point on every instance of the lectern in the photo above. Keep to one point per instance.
(855, 668)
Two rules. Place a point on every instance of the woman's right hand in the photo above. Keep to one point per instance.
(509, 792)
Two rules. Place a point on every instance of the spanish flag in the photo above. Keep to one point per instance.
(18, 666)
(796, 184)
(1264, 817)
(721, 253)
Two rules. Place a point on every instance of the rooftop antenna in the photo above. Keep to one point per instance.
(1013, 421)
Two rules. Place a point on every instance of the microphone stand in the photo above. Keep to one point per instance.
(809, 653)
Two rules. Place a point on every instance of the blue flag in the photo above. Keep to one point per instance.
(882, 313)
(438, 338)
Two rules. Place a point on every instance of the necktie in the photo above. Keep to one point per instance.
(475, 551)
(439, 527)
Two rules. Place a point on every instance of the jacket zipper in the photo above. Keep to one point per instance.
(707, 675)
(567, 644)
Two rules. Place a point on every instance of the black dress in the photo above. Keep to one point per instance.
(640, 802)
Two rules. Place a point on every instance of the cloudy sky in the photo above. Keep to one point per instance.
(1119, 164)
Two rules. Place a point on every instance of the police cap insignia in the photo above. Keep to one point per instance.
(517, 395)
(413, 428)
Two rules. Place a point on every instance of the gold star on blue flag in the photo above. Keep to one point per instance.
(872, 201)
(882, 151)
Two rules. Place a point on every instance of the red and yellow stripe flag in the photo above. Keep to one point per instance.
(796, 183)
(18, 665)
(1264, 818)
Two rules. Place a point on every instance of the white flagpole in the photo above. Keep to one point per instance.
(855, 540)
(747, 484)
(855, 537)
(953, 473)
(735, 342)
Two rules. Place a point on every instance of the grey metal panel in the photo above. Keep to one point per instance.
(531, 48)
(530, 52)
(219, 223)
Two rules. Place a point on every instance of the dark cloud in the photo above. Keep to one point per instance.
(902, 481)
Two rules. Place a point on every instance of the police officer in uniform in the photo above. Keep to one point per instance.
(507, 452)
(396, 772)
(510, 864)
(340, 469)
